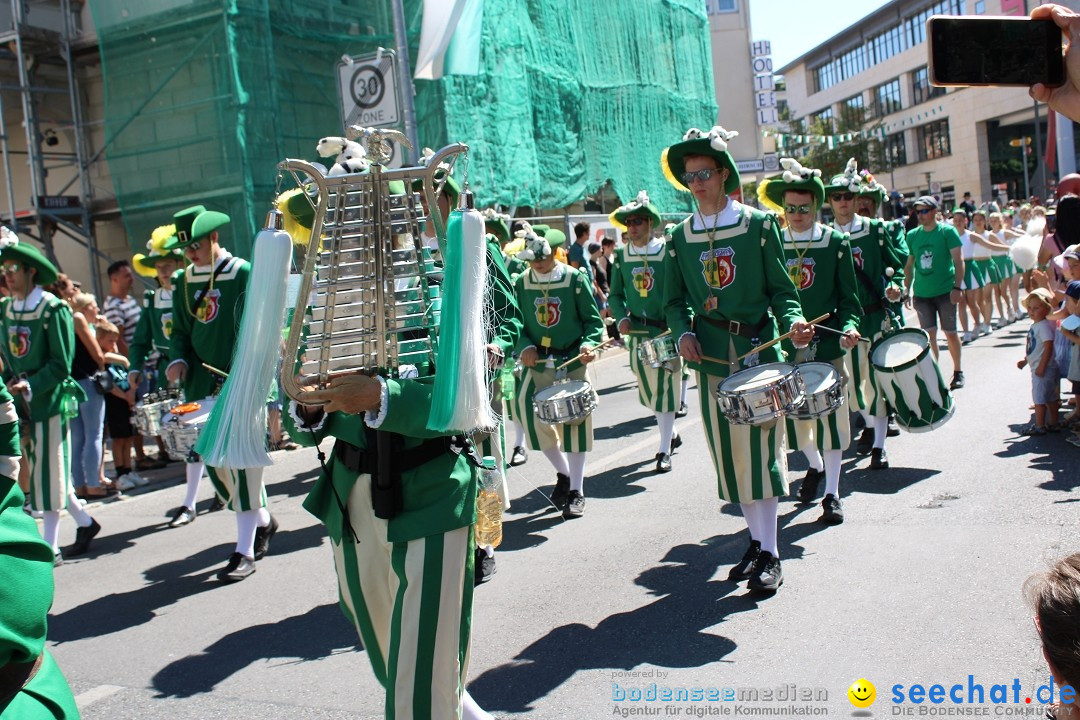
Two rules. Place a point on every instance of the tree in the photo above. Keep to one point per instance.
(866, 148)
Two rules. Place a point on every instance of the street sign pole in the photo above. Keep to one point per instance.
(405, 81)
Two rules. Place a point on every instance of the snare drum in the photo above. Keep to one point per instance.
(181, 426)
(149, 411)
(909, 377)
(825, 389)
(564, 402)
(658, 350)
(760, 394)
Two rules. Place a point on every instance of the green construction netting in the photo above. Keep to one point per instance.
(204, 97)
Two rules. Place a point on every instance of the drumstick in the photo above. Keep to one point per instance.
(214, 370)
(785, 336)
(832, 330)
(578, 357)
(718, 361)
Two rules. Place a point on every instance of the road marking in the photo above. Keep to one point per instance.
(93, 695)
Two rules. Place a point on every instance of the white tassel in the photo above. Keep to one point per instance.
(235, 434)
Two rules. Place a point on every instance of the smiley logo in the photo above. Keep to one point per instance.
(862, 693)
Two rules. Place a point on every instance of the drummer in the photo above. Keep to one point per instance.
(879, 274)
(637, 300)
(725, 273)
(209, 294)
(819, 263)
(561, 322)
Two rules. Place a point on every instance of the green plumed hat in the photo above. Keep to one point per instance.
(11, 248)
(495, 224)
(847, 181)
(194, 223)
(641, 205)
(556, 238)
(795, 177)
(870, 187)
(536, 246)
(695, 142)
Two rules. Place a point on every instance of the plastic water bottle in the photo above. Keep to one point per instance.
(506, 380)
(489, 506)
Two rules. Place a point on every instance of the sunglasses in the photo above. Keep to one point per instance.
(798, 209)
(923, 211)
(702, 175)
(10, 269)
(635, 221)
(842, 196)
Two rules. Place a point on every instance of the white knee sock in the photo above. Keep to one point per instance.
(246, 522)
(750, 515)
(519, 434)
(832, 472)
(488, 550)
(193, 472)
(471, 711)
(764, 512)
(881, 431)
(813, 456)
(264, 517)
(77, 511)
(577, 471)
(50, 529)
(558, 460)
(666, 422)
(682, 394)
(867, 417)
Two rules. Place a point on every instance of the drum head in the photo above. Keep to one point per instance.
(562, 390)
(756, 377)
(818, 376)
(900, 349)
(196, 417)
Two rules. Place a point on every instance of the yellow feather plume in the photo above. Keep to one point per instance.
(616, 223)
(676, 183)
(513, 247)
(142, 270)
(159, 237)
(300, 235)
(764, 199)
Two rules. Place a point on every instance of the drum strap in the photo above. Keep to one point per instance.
(649, 323)
(746, 330)
(874, 292)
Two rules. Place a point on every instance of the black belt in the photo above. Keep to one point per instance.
(365, 462)
(649, 323)
(873, 308)
(750, 331)
(554, 351)
(15, 676)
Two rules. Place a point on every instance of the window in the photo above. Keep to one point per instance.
(916, 24)
(887, 98)
(933, 140)
(921, 89)
(853, 111)
(894, 150)
(822, 120)
(980, 7)
(715, 7)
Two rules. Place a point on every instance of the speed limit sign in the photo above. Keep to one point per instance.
(368, 90)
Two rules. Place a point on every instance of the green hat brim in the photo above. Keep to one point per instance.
(777, 187)
(151, 261)
(649, 211)
(554, 237)
(498, 228)
(878, 195)
(675, 158)
(207, 223)
(29, 255)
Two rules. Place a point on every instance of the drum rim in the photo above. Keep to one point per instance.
(585, 385)
(910, 363)
(932, 426)
(735, 374)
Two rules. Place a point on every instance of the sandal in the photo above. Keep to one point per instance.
(1033, 430)
(1073, 439)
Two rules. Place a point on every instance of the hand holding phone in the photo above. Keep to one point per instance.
(980, 51)
(1066, 98)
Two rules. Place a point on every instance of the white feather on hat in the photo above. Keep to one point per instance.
(8, 239)
(851, 175)
(794, 172)
(536, 247)
(718, 137)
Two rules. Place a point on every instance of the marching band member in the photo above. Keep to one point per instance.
(208, 302)
(561, 321)
(725, 272)
(40, 345)
(880, 276)
(819, 262)
(637, 301)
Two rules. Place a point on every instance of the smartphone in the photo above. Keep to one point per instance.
(977, 50)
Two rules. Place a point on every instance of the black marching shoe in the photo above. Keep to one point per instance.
(483, 568)
(957, 380)
(182, 516)
(575, 505)
(809, 487)
(218, 504)
(238, 568)
(865, 442)
(742, 570)
(83, 536)
(879, 459)
(676, 442)
(894, 429)
(263, 536)
(832, 510)
(561, 491)
(682, 411)
(519, 456)
(766, 575)
(663, 463)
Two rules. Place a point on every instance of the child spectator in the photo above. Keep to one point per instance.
(1070, 328)
(119, 403)
(1045, 381)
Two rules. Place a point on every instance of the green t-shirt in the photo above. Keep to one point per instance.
(933, 271)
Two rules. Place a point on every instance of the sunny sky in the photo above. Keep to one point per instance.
(796, 26)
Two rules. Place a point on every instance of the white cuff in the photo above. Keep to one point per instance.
(374, 420)
(685, 334)
(301, 424)
(175, 362)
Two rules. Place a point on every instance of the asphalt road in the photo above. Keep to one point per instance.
(921, 584)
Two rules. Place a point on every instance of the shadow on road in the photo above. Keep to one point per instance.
(296, 486)
(313, 635)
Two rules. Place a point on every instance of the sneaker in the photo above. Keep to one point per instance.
(575, 505)
(139, 479)
(809, 487)
(894, 429)
(879, 459)
(183, 516)
(238, 568)
(682, 411)
(832, 510)
(217, 504)
(676, 441)
(83, 536)
(741, 571)
(1073, 439)
(866, 442)
(1032, 430)
(125, 482)
(985, 329)
(957, 380)
(766, 575)
(519, 456)
(561, 491)
(484, 567)
(263, 536)
(966, 338)
(663, 463)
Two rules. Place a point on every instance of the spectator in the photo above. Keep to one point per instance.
(1045, 380)
(603, 265)
(1053, 597)
(120, 308)
(935, 271)
(968, 205)
(576, 253)
(63, 288)
(87, 429)
(119, 403)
